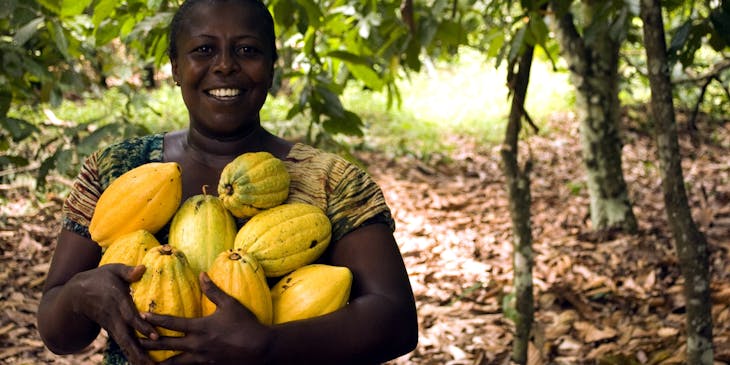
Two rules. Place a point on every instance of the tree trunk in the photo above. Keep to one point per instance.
(518, 187)
(593, 63)
(690, 243)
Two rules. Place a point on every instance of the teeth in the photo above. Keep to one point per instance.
(224, 92)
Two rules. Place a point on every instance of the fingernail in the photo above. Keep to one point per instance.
(154, 336)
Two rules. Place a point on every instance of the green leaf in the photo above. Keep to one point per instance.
(6, 97)
(720, 19)
(27, 31)
(538, 29)
(19, 129)
(349, 124)
(349, 57)
(59, 38)
(91, 143)
(74, 7)
(331, 102)
(102, 11)
(515, 47)
(314, 13)
(52, 5)
(7, 7)
(13, 160)
(367, 75)
(105, 33)
(680, 37)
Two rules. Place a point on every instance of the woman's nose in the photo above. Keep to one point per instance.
(226, 62)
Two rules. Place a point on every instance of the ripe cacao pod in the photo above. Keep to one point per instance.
(253, 182)
(168, 286)
(145, 197)
(129, 249)
(310, 291)
(285, 237)
(240, 276)
(202, 228)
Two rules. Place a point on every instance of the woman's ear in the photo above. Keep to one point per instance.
(175, 77)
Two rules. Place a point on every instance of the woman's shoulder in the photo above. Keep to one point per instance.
(122, 156)
(302, 153)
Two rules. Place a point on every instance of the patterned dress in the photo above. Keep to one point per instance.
(344, 191)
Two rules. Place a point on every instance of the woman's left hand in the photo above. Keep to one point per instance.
(231, 335)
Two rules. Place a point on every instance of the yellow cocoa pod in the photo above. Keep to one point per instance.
(240, 276)
(310, 291)
(129, 249)
(145, 197)
(167, 287)
(285, 237)
(253, 182)
(202, 228)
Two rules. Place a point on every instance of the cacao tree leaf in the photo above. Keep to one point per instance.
(52, 5)
(6, 97)
(349, 124)
(64, 162)
(59, 38)
(74, 7)
(720, 19)
(314, 13)
(367, 75)
(13, 160)
(19, 129)
(105, 33)
(679, 38)
(103, 10)
(27, 31)
(7, 7)
(91, 143)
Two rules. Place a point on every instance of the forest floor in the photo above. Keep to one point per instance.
(599, 299)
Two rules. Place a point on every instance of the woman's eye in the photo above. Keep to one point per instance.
(203, 49)
(246, 50)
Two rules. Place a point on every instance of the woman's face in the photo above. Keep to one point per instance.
(224, 67)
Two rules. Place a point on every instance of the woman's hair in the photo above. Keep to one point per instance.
(267, 23)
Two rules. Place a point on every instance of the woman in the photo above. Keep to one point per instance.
(222, 54)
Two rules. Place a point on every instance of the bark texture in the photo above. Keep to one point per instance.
(593, 62)
(518, 188)
(690, 243)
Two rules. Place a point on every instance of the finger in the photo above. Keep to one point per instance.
(186, 358)
(129, 274)
(212, 291)
(171, 343)
(179, 324)
(130, 346)
(135, 273)
(134, 318)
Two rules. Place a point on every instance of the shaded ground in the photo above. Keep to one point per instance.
(612, 301)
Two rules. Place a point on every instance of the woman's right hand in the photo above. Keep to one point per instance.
(102, 295)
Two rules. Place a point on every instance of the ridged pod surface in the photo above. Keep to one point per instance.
(253, 182)
(168, 286)
(310, 291)
(241, 276)
(285, 237)
(129, 249)
(202, 228)
(145, 197)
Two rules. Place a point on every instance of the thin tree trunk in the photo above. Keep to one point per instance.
(593, 62)
(690, 243)
(518, 187)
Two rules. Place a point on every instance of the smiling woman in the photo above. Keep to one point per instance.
(222, 54)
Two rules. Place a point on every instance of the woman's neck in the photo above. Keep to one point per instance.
(210, 147)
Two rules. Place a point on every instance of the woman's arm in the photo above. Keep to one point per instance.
(378, 324)
(79, 298)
